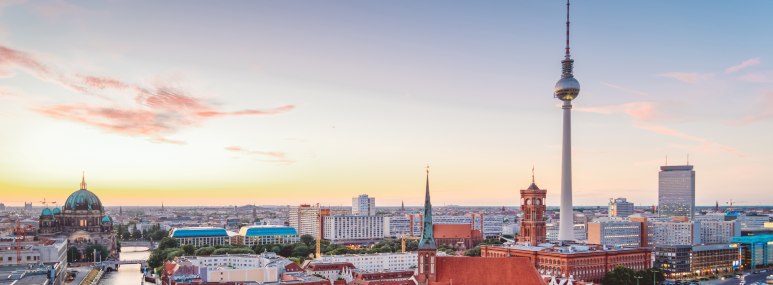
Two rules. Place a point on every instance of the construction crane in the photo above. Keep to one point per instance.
(403, 238)
(19, 231)
(318, 250)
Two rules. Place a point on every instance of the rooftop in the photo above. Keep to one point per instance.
(198, 232)
(262, 231)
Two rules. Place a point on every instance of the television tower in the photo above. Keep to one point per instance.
(567, 88)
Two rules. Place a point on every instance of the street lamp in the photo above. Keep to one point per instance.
(654, 277)
(637, 279)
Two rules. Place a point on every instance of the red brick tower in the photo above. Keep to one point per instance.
(533, 229)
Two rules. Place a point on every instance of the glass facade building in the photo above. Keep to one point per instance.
(676, 191)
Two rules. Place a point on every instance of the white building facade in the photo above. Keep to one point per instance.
(343, 229)
(363, 205)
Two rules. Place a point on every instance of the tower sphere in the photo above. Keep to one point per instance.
(567, 88)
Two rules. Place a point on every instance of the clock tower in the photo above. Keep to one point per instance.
(533, 229)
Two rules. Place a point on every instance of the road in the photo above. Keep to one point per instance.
(82, 272)
(759, 277)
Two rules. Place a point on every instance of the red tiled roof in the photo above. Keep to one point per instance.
(292, 267)
(458, 270)
(452, 230)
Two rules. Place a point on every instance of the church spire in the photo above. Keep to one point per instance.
(427, 236)
(83, 181)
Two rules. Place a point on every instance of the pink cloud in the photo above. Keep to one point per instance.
(756, 78)
(742, 65)
(643, 111)
(765, 112)
(155, 113)
(687, 77)
(103, 82)
(275, 156)
(625, 89)
(703, 143)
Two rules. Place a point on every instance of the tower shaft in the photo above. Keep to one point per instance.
(565, 230)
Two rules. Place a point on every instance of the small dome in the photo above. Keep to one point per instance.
(56, 211)
(46, 212)
(83, 200)
(106, 219)
(567, 88)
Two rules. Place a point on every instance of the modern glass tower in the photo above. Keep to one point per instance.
(676, 191)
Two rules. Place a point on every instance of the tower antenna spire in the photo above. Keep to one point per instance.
(532, 173)
(567, 30)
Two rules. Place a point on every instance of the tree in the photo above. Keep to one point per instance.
(307, 239)
(73, 254)
(475, 251)
(647, 276)
(189, 249)
(167, 242)
(205, 251)
(620, 276)
(300, 250)
(100, 250)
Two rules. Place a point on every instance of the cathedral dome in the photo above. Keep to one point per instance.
(83, 200)
(46, 212)
(106, 219)
(56, 211)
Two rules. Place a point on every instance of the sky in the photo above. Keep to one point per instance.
(290, 102)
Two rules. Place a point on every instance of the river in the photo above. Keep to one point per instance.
(128, 274)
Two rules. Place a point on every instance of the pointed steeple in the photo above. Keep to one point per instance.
(427, 235)
(83, 181)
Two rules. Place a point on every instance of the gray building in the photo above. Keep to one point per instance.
(363, 205)
(620, 207)
(676, 191)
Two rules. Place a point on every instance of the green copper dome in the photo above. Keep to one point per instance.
(106, 219)
(56, 211)
(46, 212)
(83, 200)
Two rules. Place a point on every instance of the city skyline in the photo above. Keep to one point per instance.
(327, 104)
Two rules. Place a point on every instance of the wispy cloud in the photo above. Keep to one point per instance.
(756, 77)
(765, 112)
(644, 114)
(271, 156)
(625, 89)
(641, 111)
(703, 143)
(687, 77)
(155, 112)
(742, 65)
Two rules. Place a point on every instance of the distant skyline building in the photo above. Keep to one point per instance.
(567, 88)
(620, 207)
(676, 191)
(306, 219)
(616, 233)
(363, 205)
(355, 229)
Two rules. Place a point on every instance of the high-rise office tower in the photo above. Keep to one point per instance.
(363, 205)
(676, 191)
(567, 88)
(620, 207)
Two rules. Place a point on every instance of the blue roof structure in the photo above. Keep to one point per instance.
(56, 211)
(198, 232)
(263, 231)
(83, 200)
(46, 212)
(106, 219)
